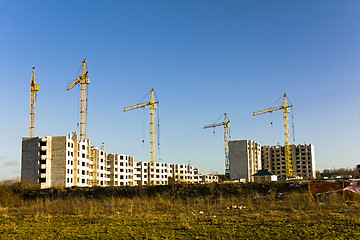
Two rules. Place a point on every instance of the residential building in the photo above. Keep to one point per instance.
(64, 161)
(244, 159)
(182, 172)
(121, 170)
(302, 159)
(159, 173)
(34, 160)
(141, 173)
(209, 178)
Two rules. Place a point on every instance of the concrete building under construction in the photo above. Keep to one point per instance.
(64, 161)
(302, 160)
(246, 157)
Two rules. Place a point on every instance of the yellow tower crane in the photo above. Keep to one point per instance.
(84, 81)
(153, 107)
(226, 124)
(285, 108)
(34, 87)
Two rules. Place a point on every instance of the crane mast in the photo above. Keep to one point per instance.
(152, 103)
(226, 124)
(285, 108)
(84, 81)
(34, 87)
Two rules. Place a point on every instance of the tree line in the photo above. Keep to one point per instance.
(336, 172)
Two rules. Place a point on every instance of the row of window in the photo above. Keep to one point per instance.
(184, 177)
(122, 170)
(123, 177)
(156, 164)
(139, 183)
(122, 164)
(298, 171)
(103, 175)
(121, 157)
(83, 147)
(124, 183)
(71, 145)
(83, 155)
(182, 166)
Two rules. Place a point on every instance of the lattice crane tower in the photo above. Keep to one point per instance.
(84, 81)
(152, 103)
(226, 124)
(34, 87)
(285, 108)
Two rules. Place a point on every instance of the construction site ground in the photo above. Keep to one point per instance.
(258, 212)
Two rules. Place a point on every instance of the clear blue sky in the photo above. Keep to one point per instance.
(203, 58)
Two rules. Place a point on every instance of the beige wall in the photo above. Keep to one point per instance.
(58, 161)
(302, 159)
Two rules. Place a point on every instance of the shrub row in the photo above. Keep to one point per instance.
(180, 191)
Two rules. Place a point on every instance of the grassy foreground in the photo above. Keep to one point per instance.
(163, 216)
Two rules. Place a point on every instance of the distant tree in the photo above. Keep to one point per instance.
(336, 171)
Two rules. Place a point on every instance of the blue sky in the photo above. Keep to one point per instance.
(203, 58)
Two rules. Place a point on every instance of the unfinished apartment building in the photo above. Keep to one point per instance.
(188, 174)
(125, 172)
(120, 167)
(302, 159)
(244, 159)
(64, 161)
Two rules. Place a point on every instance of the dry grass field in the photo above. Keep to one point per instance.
(177, 212)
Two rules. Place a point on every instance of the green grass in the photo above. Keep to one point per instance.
(163, 216)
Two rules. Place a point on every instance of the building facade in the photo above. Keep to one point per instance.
(244, 159)
(302, 159)
(63, 161)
